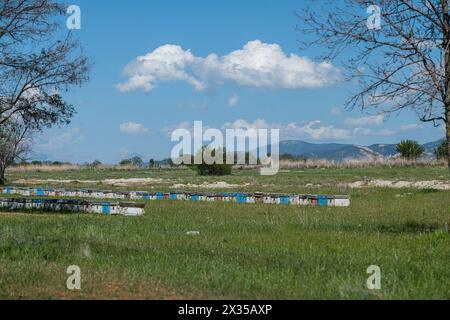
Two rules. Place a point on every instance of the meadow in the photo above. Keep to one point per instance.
(242, 251)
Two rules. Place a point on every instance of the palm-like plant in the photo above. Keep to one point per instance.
(410, 149)
(442, 151)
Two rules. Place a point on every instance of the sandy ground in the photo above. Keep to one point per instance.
(132, 182)
(215, 185)
(432, 184)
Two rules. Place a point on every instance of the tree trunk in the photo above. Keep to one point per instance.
(446, 46)
(448, 138)
(2, 173)
(2, 177)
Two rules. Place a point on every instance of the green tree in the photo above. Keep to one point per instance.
(125, 162)
(134, 161)
(441, 151)
(410, 149)
(137, 161)
(213, 169)
(96, 164)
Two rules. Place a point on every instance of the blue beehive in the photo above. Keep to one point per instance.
(146, 196)
(160, 196)
(284, 200)
(106, 208)
(241, 198)
(194, 197)
(40, 192)
(322, 201)
(173, 196)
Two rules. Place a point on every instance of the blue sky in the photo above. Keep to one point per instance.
(130, 105)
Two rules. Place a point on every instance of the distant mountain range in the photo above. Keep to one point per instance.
(339, 152)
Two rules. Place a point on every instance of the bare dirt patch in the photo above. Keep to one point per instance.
(432, 184)
(206, 185)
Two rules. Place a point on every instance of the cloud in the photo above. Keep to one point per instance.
(233, 100)
(387, 133)
(376, 120)
(62, 141)
(311, 130)
(335, 111)
(316, 131)
(182, 125)
(58, 146)
(185, 125)
(243, 124)
(362, 131)
(411, 127)
(256, 65)
(133, 128)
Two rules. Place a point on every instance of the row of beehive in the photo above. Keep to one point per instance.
(73, 205)
(283, 199)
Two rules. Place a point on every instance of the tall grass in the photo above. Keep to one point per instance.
(67, 167)
(362, 163)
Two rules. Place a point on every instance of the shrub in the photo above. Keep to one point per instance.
(215, 169)
(125, 162)
(96, 164)
(442, 151)
(410, 149)
(291, 158)
(135, 161)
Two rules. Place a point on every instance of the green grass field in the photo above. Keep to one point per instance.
(243, 251)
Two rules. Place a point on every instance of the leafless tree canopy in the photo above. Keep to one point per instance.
(404, 64)
(39, 60)
(15, 144)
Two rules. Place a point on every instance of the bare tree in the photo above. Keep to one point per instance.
(15, 144)
(38, 61)
(401, 63)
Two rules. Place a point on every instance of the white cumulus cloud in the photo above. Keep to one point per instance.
(376, 120)
(245, 125)
(313, 130)
(133, 128)
(58, 145)
(411, 127)
(387, 133)
(61, 141)
(257, 65)
(166, 63)
(359, 131)
(233, 100)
